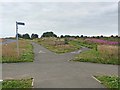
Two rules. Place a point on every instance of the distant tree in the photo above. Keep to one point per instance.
(77, 36)
(98, 37)
(49, 34)
(112, 36)
(19, 35)
(67, 36)
(116, 36)
(33, 36)
(101, 35)
(26, 36)
(61, 36)
(81, 36)
(93, 36)
(85, 36)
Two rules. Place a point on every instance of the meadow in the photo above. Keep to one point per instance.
(58, 45)
(9, 52)
(105, 52)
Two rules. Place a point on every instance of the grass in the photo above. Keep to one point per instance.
(105, 54)
(58, 45)
(22, 83)
(9, 54)
(109, 81)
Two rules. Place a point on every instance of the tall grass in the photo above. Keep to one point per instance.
(9, 52)
(106, 54)
(58, 45)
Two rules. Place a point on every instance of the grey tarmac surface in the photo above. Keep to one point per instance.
(51, 70)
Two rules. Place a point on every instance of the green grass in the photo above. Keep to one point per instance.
(109, 81)
(96, 57)
(64, 48)
(26, 54)
(79, 43)
(22, 83)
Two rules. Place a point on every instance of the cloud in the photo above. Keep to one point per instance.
(74, 18)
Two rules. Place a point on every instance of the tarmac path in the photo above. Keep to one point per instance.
(51, 70)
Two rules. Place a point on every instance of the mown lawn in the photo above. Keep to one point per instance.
(105, 54)
(9, 52)
(22, 83)
(112, 82)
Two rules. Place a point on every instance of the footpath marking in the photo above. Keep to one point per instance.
(77, 52)
(96, 79)
(41, 51)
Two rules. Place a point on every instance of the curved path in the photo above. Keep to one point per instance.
(52, 70)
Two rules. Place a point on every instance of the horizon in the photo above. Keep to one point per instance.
(39, 36)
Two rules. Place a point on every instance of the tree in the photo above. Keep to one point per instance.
(19, 35)
(26, 36)
(102, 36)
(98, 37)
(112, 36)
(81, 36)
(116, 36)
(76, 36)
(49, 34)
(67, 36)
(61, 36)
(33, 36)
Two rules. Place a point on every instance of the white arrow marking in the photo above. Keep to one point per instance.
(41, 51)
(77, 51)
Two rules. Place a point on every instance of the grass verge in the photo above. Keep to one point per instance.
(9, 54)
(109, 81)
(22, 83)
(105, 55)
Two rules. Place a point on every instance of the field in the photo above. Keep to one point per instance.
(58, 45)
(9, 52)
(112, 82)
(21, 83)
(105, 52)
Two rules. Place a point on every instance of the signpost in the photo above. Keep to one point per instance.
(18, 23)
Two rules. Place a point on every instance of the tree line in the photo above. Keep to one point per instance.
(27, 36)
(51, 34)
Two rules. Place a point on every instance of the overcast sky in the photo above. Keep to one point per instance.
(63, 18)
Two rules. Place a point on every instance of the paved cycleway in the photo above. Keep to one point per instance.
(51, 70)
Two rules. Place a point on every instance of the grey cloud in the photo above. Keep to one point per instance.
(61, 17)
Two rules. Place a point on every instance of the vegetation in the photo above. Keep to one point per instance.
(22, 83)
(58, 45)
(33, 36)
(105, 54)
(27, 36)
(49, 34)
(9, 52)
(110, 81)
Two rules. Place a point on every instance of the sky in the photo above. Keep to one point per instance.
(63, 18)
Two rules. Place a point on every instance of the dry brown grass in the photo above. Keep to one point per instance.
(105, 54)
(2, 39)
(108, 50)
(10, 50)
